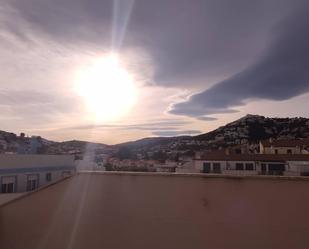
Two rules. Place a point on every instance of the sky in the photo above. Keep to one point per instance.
(111, 71)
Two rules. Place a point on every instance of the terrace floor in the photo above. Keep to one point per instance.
(155, 212)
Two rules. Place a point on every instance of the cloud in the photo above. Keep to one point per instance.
(203, 118)
(147, 126)
(175, 133)
(39, 106)
(183, 45)
(208, 47)
(281, 73)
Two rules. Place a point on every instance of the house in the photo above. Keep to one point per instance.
(187, 167)
(22, 173)
(285, 146)
(253, 164)
(168, 166)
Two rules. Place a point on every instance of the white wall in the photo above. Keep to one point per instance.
(240, 172)
(282, 150)
(297, 167)
(187, 170)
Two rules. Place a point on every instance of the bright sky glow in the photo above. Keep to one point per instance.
(107, 88)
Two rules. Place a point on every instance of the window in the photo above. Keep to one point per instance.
(48, 177)
(32, 182)
(217, 168)
(206, 167)
(276, 169)
(239, 166)
(263, 168)
(31, 185)
(8, 184)
(7, 188)
(237, 151)
(276, 151)
(228, 166)
(289, 151)
(249, 166)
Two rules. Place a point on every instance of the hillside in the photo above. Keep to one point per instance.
(248, 130)
(253, 128)
(10, 142)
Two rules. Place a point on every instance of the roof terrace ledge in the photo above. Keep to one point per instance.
(200, 175)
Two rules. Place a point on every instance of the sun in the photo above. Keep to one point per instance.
(107, 88)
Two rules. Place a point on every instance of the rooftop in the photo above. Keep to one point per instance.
(286, 142)
(159, 211)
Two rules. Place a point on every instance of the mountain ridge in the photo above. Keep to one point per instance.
(249, 129)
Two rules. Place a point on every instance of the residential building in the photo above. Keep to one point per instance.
(168, 166)
(187, 167)
(253, 164)
(285, 146)
(21, 173)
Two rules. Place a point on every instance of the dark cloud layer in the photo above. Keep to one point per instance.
(259, 47)
(281, 73)
(188, 40)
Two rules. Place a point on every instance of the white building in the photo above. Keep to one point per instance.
(285, 146)
(253, 164)
(187, 167)
(168, 166)
(21, 173)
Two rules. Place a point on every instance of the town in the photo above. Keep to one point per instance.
(279, 157)
(251, 146)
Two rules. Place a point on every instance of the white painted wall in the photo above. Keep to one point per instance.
(281, 150)
(184, 170)
(240, 172)
(297, 167)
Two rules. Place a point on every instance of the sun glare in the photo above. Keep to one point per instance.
(107, 88)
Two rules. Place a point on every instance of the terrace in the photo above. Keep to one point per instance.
(123, 210)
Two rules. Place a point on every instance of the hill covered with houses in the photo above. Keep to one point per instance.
(246, 132)
(22, 144)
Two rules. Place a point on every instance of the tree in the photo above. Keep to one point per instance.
(159, 156)
(125, 152)
(108, 167)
